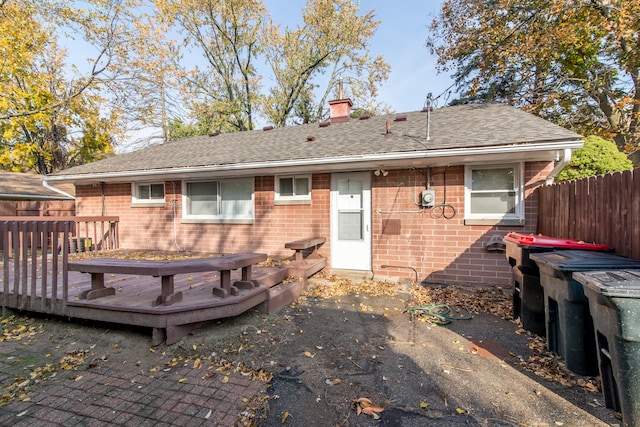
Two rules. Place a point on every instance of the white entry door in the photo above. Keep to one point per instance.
(351, 221)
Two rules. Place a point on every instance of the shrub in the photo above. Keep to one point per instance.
(597, 157)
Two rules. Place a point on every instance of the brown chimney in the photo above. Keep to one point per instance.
(340, 110)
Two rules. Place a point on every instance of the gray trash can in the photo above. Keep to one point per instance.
(528, 294)
(614, 303)
(570, 330)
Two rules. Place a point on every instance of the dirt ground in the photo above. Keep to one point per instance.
(346, 353)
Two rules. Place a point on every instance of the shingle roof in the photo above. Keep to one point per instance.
(28, 186)
(464, 126)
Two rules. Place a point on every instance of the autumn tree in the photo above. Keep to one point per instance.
(42, 114)
(304, 64)
(56, 112)
(333, 40)
(573, 62)
(227, 35)
(147, 88)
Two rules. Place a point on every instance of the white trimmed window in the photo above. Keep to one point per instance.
(228, 201)
(494, 194)
(147, 194)
(293, 189)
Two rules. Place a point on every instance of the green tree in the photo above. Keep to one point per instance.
(597, 157)
(576, 63)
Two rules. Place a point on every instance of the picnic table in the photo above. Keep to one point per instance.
(166, 270)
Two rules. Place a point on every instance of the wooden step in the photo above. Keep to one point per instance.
(283, 294)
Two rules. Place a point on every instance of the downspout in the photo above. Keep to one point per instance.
(562, 162)
(46, 185)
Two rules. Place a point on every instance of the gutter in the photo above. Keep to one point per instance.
(20, 197)
(562, 162)
(373, 159)
(46, 185)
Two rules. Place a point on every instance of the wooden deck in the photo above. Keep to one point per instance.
(132, 303)
(38, 280)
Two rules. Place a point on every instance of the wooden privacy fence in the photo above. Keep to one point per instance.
(603, 209)
(35, 253)
(53, 208)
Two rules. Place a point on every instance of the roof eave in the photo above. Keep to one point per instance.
(521, 152)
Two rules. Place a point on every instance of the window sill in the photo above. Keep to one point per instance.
(215, 221)
(515, 222)
(160, 204)
(291, 202)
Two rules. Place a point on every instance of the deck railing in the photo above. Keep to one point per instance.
(35, 254)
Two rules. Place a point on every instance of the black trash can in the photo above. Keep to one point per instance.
(614, 303)
(569, 324)
(528, 294)
(80, 244)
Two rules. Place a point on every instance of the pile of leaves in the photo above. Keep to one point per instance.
(550, 366)
(143, 254)
(275, 262)
(329, 286)
(493, 300)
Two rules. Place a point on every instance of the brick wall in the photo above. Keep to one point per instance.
(441, 250)
(161, 228)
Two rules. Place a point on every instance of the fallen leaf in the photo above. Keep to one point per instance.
(369, 410)
(424, 405)
(285, 416)
(363, 401)
(206, 417)
(182, 380)
(225, 379)
(309, 354)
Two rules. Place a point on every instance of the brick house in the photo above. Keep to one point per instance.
(421, 195)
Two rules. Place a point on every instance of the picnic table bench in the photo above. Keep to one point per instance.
(166, 270)
(306, 245)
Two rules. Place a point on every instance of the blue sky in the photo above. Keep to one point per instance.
(401, 39)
